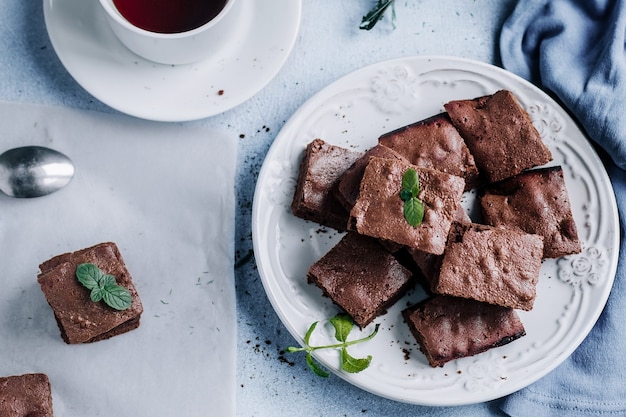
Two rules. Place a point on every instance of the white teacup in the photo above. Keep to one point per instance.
(173, 48)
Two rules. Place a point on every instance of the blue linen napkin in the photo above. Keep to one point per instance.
(575, 50)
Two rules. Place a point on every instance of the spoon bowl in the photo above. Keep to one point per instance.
(34, 171)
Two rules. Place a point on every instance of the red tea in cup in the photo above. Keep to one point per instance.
(169, 16)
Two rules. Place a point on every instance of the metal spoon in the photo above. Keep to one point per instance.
(34, 171)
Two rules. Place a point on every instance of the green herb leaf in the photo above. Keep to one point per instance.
(343, 324)
(292, 349)
(414, 211)
(106, 280)
(405, 195)
(376, 13)
(96, 294)
(413, 208)
(411, 182)
(309, 332)
(315, 367)
(103, 287)
(353, 365)
(117, 297)
(88, 275)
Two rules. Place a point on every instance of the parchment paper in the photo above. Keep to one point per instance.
(165, 194)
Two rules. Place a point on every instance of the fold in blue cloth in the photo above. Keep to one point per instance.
(575, 50)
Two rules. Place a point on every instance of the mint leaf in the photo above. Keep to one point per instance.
(353, 365)
(292, 349)
(88, 275)
(411, 182)
(376, 13)
(117, 297)
(309, 332)
(343, 324)
(405, 195)
(315, 367)
(413, 208)
(96, 294)
(106, 280)
(414, 211)
(103, 287)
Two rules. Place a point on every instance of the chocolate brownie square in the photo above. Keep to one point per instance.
(490, 264)
(536, 202)
(448, 328)
(361, 277)
(434, 143)
(321, 167)
(80, 319)
(350, 181)
(378, 211)
(27, 395)
(499, 133)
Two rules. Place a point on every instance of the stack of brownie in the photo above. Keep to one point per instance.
(80, 320)
(478, 274)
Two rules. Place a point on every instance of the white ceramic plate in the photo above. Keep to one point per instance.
(353, 112)
(99, 62)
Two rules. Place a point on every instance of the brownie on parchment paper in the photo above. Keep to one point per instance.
(81, 320)
(27, 395)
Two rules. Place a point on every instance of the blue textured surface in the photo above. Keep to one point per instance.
(267, 385)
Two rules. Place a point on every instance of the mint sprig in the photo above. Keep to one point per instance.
(343, 326)
(413, 207)
(103, 287)
(376, 13)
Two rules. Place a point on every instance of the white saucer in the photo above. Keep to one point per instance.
(239, 69)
